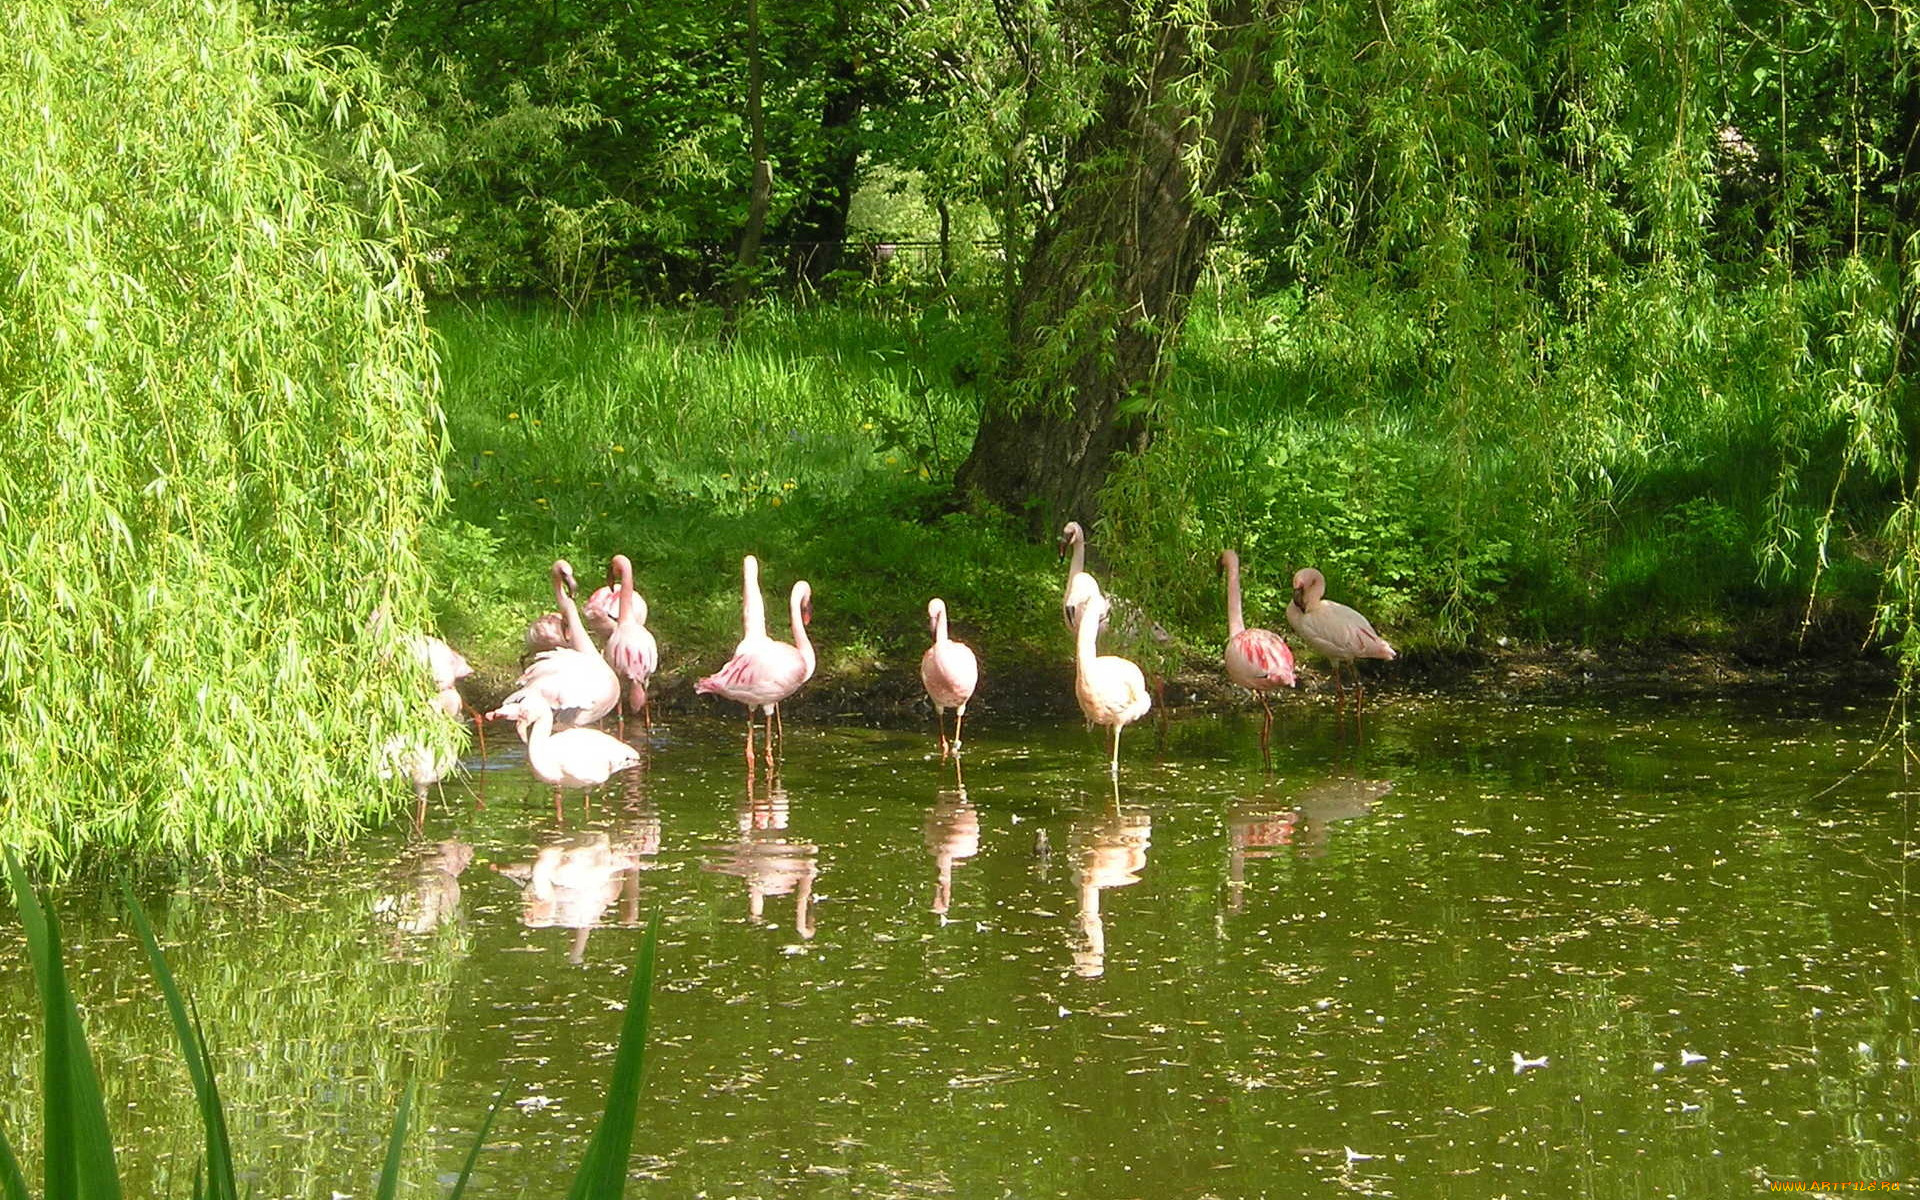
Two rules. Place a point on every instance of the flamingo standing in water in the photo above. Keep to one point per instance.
(949, 672)
(1111, 690)
(1145, 637)
(573, 681)
(1334, 631)
(631, 650)
(763, 672)
(571, 758)
(1257, 659)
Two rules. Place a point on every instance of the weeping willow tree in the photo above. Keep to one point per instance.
(1635, 280)
(221, 440)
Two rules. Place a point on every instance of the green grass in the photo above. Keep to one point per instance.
(820, 440)
(824, 441)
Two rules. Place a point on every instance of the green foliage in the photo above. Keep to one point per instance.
(222, 442)
(78, 1146)
(820, 439)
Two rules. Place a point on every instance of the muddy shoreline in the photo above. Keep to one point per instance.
(1044, 689)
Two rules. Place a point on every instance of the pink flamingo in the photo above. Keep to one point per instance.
(763, 672)
(1073, 540)
(603, 612)
(631, 650)
(573, 681)
(1257, 659)
(1334, 631)
(1111, 690)
(552, 631)
(950, 672)
(571, 758)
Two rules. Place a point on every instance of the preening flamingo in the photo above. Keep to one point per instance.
(571, 758)
(554, 630)
(576, 684)
(1111, 690)
(602, 611)
(1257, 659)
(631, 650)
(950, 672)
(1334, 631)
(763, 672)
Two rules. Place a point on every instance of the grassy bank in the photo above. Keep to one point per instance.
(824, 440)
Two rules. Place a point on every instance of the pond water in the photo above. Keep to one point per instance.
(1482, 948)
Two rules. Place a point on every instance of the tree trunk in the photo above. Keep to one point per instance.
(820, 225)
(1108, 278)
(762, 194)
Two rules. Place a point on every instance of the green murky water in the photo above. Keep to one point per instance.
(1696, 916)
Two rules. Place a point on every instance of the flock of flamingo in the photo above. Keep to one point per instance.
(571, 683)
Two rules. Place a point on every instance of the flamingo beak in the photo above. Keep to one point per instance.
(572, 584)
(806, 611)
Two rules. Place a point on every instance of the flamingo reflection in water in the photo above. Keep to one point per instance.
(952, 832)
(1109, 851)
(423, 892)
(571, 883)
(1256, 828)
(770, 863)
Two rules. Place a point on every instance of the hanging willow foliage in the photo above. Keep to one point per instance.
(221, 440)
(1611, 284)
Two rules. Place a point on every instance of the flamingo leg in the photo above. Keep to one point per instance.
(940, 726)
(1266, 731)
(749, 735)
(559, 813)
(1113, 767)
(479, 732)
(960, 714)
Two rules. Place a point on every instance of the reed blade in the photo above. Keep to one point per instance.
(389, 1184)
(218, 1183)
(603, 1171)
(77, 1147)
(479, 1140)
(13, 1184)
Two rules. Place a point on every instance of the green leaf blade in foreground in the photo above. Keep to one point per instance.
(218, 1183)
(603, 1172)
(479, 1140)
(76, 1144)
(13, 1184)
(389, 1184)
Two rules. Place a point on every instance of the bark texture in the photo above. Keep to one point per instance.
(1107, 281)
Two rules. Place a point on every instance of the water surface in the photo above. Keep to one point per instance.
(1483, 949)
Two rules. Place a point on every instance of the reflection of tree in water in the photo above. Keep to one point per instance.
(770, 863)
(952, 832)
(571, 883)
(1257, 826)
(1108, 851)
(424, 892)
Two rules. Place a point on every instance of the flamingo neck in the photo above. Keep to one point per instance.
(800, 640)
(753, 609)
(570, 613)
(939, 626)
(629, 612)
(1087, 637)
(1077, 564)
(538, 747)
(1236, 622)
